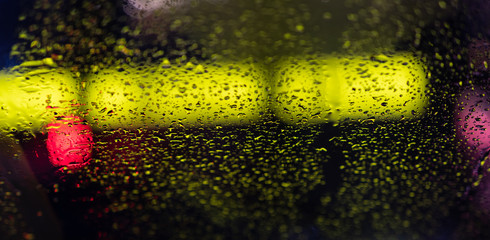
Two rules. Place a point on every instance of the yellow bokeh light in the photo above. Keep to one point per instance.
(191, 95)
(29, 101)
(333, 88)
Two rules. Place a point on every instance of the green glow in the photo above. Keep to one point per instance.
(29, 101)
(159, 96)
(333, 88)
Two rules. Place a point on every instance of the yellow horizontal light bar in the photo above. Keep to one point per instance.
(159, 96)
(334, 88)
(308, 90)
(30, 100)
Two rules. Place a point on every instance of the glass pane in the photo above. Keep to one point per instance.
(244, 119)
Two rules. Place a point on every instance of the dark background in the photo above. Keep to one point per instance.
(9, 13)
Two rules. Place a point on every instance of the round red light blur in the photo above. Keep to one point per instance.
(70, 142)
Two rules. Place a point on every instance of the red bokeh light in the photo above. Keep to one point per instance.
(70, 142)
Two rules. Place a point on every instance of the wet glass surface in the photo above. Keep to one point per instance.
(238, 119)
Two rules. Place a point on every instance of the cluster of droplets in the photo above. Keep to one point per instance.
(398, 181)
(221, 182)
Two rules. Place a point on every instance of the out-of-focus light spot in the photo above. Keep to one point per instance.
(472, 122)
(142, 8)
(335, 88)
(191, 95)
(30, 100)
(69, 143)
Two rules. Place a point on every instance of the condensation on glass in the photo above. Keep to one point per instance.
(244, 119)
